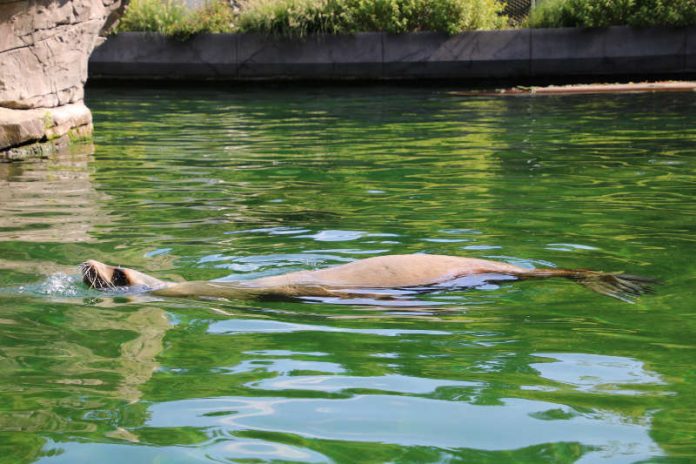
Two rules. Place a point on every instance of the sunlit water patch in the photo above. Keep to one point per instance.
(264, 326)
(512, 425)
(596, 373)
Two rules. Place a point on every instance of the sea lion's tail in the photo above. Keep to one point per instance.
(624, 287)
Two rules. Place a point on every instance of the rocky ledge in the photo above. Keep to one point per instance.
(44, 50)
(40, 132)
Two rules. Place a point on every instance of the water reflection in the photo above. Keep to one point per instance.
(284, 366)
(237, 326)
(215, 450)
(51, 200)
(514, 429)
(408, 421)
(595, 373)
(338, 383)
(74, 359)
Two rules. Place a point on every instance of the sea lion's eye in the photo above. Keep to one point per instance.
(119, 278)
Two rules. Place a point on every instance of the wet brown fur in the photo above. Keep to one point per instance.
(356, 278)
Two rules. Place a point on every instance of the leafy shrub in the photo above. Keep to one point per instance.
(549, 13)
(602, 13)
(214, 16)
(664, 13)
(449, 16)
(300, 17)
(173, 18)
(286, 17)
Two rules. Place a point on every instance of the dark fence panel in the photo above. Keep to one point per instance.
(518, 10)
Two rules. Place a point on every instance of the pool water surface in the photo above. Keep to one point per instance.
(243, 183)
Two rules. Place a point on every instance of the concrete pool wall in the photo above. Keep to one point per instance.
(513, 55)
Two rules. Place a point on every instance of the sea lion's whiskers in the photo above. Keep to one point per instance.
(91, 277)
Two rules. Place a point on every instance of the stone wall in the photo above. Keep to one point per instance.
(44, 50)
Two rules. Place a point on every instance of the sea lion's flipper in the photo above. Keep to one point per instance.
(624, 287)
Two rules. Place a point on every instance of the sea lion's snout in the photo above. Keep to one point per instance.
(102, 276)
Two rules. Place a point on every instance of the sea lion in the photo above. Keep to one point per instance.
(421, 271)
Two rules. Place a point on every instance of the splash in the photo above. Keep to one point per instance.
(59, 284)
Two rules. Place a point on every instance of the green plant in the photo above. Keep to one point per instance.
(163, 16)
(284, 17)
(664, 13)
(301, 17)
(213, 16)
(173, 18)
(395, 16)
(602, 13)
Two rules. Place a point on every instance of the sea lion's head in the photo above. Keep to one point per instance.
(103, 277)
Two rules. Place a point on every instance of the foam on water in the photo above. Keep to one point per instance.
(55, 285)
(59, 285)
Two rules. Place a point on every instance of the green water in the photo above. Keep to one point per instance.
(204, 184)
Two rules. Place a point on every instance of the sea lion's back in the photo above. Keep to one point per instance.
(394, 271)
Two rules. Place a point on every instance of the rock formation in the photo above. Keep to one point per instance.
(44, 49)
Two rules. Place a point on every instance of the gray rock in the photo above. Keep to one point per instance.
(44, 50)
(27, 133)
